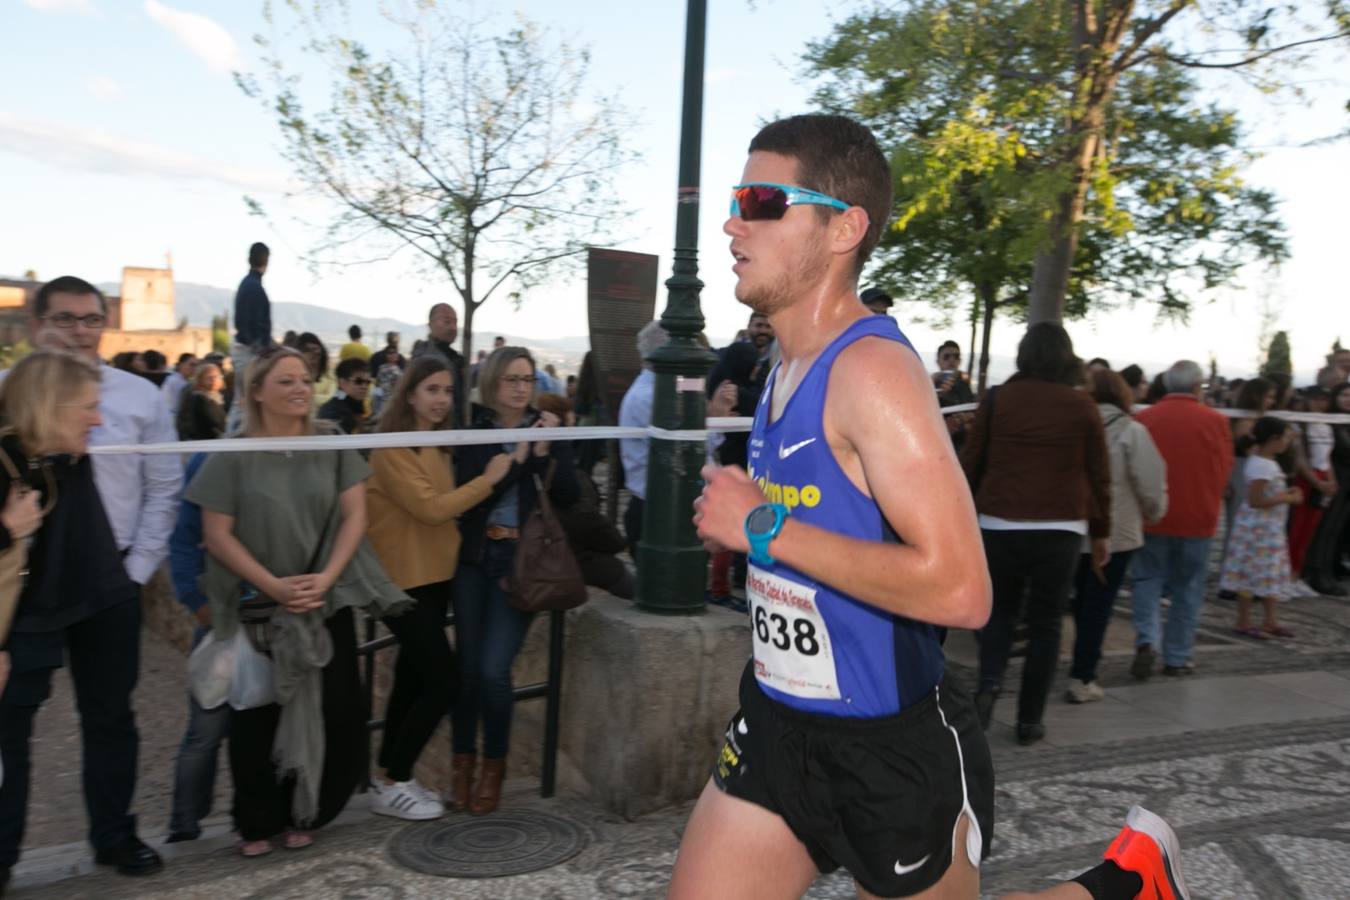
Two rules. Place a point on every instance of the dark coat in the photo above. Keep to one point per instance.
(1046, 457)
(346, 412)
(472, 459)
(200, 418)
(74, 567)
(741, 365)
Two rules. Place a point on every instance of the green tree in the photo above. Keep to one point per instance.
(1278, 361)
(1004, 126)
(12, 353)
(220, 334)
(483, 154)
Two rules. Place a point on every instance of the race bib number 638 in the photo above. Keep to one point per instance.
(792, 644)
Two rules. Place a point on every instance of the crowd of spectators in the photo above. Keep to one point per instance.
(1078, 493)
(1064, 530)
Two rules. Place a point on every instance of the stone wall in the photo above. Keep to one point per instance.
(147, 299)
(645, 703)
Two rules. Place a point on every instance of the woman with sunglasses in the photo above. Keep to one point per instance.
(347, 407)
(488, 630)
(285, 532)
(414, 508)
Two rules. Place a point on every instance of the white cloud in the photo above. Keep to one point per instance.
(94, 150)
(103, 87)
(84, 7)
(206, 38)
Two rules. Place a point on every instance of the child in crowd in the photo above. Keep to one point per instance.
(1256, 562)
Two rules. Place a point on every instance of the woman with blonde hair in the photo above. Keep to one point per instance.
(488, 630)
(285, 534)
(414, 507)
(76, 597)
(201, 417)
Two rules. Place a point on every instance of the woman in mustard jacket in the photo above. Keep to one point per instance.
(413, 506)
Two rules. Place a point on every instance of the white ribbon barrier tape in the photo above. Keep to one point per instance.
(513, 435)
(423, 439)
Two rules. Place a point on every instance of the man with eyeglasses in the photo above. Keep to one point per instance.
(347, 406)
(99, 636)
(851, 748)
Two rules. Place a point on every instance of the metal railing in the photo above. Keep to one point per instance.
(550, 689)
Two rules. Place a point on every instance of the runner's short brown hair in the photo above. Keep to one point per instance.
(841, 158)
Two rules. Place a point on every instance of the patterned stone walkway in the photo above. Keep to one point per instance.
(1249, 759)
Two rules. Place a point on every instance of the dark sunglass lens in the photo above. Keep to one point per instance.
(760, 201)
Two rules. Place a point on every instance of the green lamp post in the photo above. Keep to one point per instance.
(672, 565)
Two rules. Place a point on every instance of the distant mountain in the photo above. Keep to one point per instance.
(201, 302)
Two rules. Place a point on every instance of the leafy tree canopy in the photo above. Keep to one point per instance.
(971, 97)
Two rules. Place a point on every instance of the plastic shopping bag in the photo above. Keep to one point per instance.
(252, 685)
(210, 669)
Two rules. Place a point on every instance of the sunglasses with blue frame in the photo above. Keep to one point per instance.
(758, 200)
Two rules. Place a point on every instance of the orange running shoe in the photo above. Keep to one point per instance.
(1148, 846)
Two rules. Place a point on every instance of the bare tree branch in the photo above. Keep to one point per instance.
(465, 146)
(1191, 62)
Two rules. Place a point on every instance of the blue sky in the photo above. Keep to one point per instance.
(123, 136)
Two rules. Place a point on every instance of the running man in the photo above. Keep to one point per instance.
(851, 749)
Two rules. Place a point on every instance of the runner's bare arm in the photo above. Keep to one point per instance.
(886, 430)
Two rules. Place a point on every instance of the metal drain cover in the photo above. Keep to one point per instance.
(507, 842)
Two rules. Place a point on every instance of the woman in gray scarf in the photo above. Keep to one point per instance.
(292, 526)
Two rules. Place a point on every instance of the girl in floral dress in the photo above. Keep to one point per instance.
(1257, 561)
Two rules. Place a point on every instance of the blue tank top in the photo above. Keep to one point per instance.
(816, 649)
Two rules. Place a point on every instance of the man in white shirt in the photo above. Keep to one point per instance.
(635, 411)
(139, 495)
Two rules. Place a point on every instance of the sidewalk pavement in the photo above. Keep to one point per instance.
(1249, 759)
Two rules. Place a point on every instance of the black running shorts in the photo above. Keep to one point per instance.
(877, 797)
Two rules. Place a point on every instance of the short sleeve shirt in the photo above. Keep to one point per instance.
(1258, 468)
(280, 501)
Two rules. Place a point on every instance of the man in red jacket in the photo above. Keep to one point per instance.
(1197, 446)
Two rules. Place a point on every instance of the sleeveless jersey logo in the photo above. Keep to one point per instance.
(785, 452)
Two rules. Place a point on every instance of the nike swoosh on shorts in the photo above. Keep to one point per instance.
(785, 452)
(905, 870)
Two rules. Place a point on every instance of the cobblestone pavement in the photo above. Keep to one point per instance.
(1249, 759)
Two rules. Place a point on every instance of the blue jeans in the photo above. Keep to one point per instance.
(1175, 566)
(194, 777)
(488, 635)
(1092, 604)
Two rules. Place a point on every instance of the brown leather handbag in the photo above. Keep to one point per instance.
(545, 575)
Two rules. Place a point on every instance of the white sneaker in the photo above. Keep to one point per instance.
(425, 791)
(406, 800)
(1084, 691)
